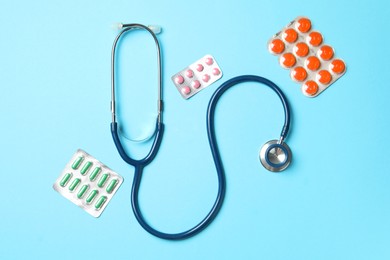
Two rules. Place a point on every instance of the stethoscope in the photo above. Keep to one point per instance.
(275, 155)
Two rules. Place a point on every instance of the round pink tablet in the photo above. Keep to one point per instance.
(186, 90)
(189, 73)
(199, 67)
(206, 77)
(195, 84)
(216, 72)
(179, 79)
(209, 61)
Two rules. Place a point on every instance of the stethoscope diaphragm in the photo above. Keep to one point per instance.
(275, 156)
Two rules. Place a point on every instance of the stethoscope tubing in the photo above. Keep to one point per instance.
(182, 235)
(140, 164)
(152, 152)
(249, 78)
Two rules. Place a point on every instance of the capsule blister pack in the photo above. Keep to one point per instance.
(88, 183)
(311, 62)
(197, 76)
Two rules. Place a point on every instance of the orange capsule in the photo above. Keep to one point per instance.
(288, 60)
(304, 25)
(276, 46)
(324, 77)
(290, 35)
(337, 66)
(301, 49)
(299, 74)
(310, 87)
(326, 52)
(313, 63)
(315, 38)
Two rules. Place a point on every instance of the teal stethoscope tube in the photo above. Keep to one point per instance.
(140, 164)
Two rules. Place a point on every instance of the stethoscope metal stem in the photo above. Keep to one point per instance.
(128, 27)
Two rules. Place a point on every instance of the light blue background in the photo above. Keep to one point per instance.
(332, 203)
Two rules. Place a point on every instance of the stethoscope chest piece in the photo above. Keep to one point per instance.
(275, 156)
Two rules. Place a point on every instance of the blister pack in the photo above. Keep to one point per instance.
(197, 76)
(311, 62)
(88, 183)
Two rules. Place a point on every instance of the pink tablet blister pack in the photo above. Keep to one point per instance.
(197, 76)
(311, 62)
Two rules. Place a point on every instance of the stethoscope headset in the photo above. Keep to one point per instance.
(275, 155)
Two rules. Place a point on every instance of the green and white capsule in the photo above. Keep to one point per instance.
(74, 184)
(76, 164)
(86, 168)
(64, 181)
(95, 173)
(99, 204)
(82, 191)
(91, 196)
(103, 180)
(110, 187)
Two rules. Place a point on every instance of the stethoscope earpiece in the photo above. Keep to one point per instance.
(156, 29)
(275, 156)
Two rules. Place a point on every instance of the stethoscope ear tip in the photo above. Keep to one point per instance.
(117, 26)
(275, 156)
(155, 28)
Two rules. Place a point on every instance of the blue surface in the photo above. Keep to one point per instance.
(332, 203)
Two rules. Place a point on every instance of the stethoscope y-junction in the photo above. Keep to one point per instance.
(275, 155)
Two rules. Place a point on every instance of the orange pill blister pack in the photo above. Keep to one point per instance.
(311, 62)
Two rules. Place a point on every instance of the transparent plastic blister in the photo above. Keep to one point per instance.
(197, 76)
(88, 183)
(311, 62)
